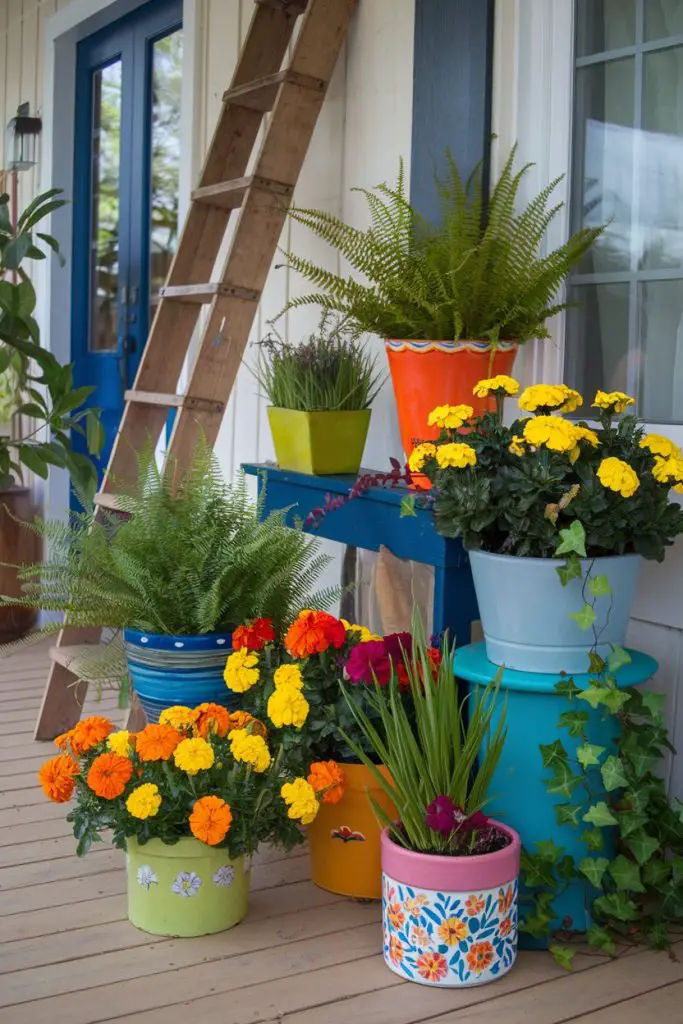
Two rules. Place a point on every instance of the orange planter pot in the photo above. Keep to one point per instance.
(430, 373)
(344, 839)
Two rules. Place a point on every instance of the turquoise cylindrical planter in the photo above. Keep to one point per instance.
(169, 670)
(518, 793)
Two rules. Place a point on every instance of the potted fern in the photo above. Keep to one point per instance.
(320, 393)
(453, 300)
(192, 560)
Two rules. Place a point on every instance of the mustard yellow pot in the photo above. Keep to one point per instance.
(319, 443)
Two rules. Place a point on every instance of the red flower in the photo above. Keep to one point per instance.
(254, 636)
(314, 632)
(369, 661)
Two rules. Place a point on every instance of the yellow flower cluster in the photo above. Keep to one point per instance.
(301, 800)
(456, 454)
(251, 749)
(450, 416)
(551, 431)
(517, 446)
(287, 706)
(419, 456)
(288, 675)
(659, 445)
(119, 742)
(612, 401)
(498, 385)
(145, 801)
(617, 475)
(194, 755)
(668, 470)
(179, 716)
(546, 397)
(241, 670)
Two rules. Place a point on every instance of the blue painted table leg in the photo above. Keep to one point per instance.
(455, 603)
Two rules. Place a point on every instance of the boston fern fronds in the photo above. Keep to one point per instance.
(477, 274)
(195, 556)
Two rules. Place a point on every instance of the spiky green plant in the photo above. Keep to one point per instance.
(452, 749)
(194, 556)
(478, 274)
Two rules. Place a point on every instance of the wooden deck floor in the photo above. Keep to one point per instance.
(303, 956)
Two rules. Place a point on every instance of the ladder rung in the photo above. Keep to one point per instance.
(262, 92)
(174, 401)
(202, 293)
(105, 499)
(67, 655)
(228, 195)
(295, 6)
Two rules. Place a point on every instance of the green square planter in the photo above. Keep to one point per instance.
(319, 443)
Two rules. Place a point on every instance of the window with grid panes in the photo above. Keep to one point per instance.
(625, 327)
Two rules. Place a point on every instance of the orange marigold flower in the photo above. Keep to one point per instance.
(62, 741)
(157, 742)
(243, 720)
(212, 718)
(328, 781)
(57, 778)
(88, 733)
(313, 633)
(254, 636)
(210, 820)
(109, 774)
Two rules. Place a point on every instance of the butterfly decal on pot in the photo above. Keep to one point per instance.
(347, 835)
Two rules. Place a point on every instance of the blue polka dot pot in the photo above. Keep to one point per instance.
(167, 670)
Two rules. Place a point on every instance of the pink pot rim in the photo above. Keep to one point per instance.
(455, 874)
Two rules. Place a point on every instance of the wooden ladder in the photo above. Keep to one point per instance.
(293, 94)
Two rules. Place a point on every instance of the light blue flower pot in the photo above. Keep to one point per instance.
(525, 611)
(168, 670)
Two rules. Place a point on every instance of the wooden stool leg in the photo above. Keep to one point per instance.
(136, 718)
(62, 703)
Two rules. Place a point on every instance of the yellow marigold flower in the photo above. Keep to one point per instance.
(550, 396)
(119, 742)
(668, 471)
(251, 749)
(456, 454)
(363, 632)
(301, 800)
(659, 445)
(516, 446)
(451, 416)
(241, 670)
(287, 706)
(501, 384)
(366, 635)
(612, 401)
(288, 675)
(178, 716)
(194, 755)
(585, 434)
(618, 476)
(419, 456)
(552, 431)
(144, 801)
(572, 401)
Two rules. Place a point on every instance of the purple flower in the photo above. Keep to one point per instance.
(440, 816)
(367, 662)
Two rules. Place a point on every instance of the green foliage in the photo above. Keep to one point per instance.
(330, 372)
(194, 556)
(35, 384)
(478, 273)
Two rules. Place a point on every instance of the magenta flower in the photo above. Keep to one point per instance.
(367, 662)
(399, 646)
(440, 816)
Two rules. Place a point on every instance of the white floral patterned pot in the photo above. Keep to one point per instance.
(185, 889)
(450, 921)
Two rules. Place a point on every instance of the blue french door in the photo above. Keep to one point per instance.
(127, 160)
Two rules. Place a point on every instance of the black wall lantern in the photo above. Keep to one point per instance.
(21, 143)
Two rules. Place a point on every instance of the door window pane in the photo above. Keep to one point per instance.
(660, 162)
(597, 323)
(661, 336)
(663, 18)
(604, 25)
(166, 80)
(104, 239)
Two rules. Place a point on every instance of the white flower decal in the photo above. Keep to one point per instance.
(224, 876)
(187, 884)
(146, 877)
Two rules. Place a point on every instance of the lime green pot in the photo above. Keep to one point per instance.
(321, 443)
(186, 889)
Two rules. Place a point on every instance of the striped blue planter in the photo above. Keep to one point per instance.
(168, 670)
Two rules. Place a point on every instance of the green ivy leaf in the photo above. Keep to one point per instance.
(566, 869)
(585, 618)
(589, 754)
(599, 586)
(630, 822)
(613, 774)
(596, 664)
(615, 699)
(407, 507)
(618, 905)
(567, 688)
(618, 658)
(568, 814)
(537, 924)
(553, 754)
(599, 938)
(642, 846)
(563, 955)
(626, 874)
(573, 540)
(549, 851)
(594, 694)
(599, 815)
(654, 702)
(574, 721)
(640, 760)
(594, 868)
(656, 872)
(592, 837)
(563, 781)
(571, 570)
(658, 935)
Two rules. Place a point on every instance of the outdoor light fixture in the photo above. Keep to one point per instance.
(21, 144)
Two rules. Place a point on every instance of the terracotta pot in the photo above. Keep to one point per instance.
(21, 547)
(430, 373)
(344, 839)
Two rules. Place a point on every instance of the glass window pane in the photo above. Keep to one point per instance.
(660, 330)
(603, 160)
(166, 80)
(604, 25)
(663, 18)
(104, 231)
(597, 333)
(660, 161)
